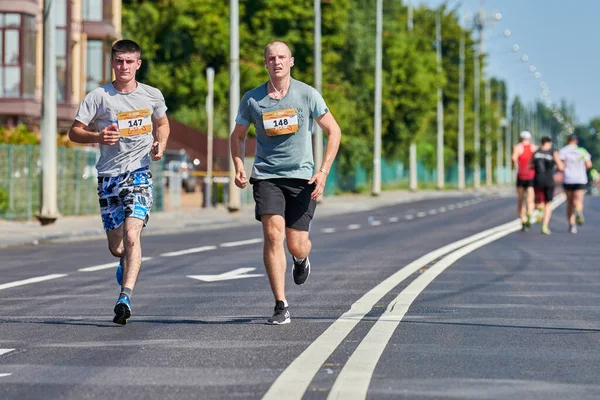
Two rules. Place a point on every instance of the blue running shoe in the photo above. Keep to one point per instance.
(120, 273)
(122, 310)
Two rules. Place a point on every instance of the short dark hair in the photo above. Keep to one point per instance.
(546, 139)
(573, 138)
(126, 46)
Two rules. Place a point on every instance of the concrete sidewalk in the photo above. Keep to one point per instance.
(90, 226)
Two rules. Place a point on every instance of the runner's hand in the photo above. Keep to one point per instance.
(110, 135)
(319, 179)
(240, 179)
(157, 150)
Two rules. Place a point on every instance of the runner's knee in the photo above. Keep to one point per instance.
(274, 234)
(116, 250)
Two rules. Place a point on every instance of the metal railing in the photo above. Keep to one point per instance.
(20, 181)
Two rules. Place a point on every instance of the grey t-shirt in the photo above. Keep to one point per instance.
(284, 148)
(132, 112)
(574, 157)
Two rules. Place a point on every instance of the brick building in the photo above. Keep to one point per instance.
(85, 31)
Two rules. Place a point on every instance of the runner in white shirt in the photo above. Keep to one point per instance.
(577, 161)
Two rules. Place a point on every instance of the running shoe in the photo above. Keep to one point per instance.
(539, 215)
(525, 226)
(579, 217)
(281, 314)
(122, 310)
(300, 270)
(546, 230)
(573, 229)
(119, 273)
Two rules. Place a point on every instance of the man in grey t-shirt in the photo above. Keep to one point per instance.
(285, 183)
(119, 117)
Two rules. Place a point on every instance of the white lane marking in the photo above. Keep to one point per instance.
(375, 223)
(114, 264)
(421, 214)
(442, 209)
(354, 226)
(239, 273)
(241, 242)
(188, 251)
(328, 230)
(451, 207)
(409, 217)
(294, 380)
(31, 280)
(432, 212)
(5, 351)
(3, 375)
(355, 377)
(459, 205)
(393, 219)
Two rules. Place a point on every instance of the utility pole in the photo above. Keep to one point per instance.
(48, 212)
(440, 104)
(378, 89)
(210, 79)
(413, 179)
(317, 131)
(499, 139)
(478, 24)
(461, 112)
(507, 147)
(488, 133)
(234, 97)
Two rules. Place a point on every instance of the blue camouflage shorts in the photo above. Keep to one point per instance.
(124, 196)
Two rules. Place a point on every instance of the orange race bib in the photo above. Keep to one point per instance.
(281, 122)
(132, 123)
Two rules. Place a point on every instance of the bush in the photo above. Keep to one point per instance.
(19, 135)
(3, 200)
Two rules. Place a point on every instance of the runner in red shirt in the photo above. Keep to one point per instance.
(521, 157)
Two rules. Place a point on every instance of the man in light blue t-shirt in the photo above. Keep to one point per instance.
(120, 117)
(285, 183)
(577, 161)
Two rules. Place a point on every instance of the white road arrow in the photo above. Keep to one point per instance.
(239, 273)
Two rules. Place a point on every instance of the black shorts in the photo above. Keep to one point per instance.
(544, 194)
(574, 186)
(524, 183)
(289, 198)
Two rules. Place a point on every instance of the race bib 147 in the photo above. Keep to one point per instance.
(136, 122)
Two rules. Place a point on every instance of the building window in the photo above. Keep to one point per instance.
(97, 10)
(92, 10)
(17, 56)
(98, 64)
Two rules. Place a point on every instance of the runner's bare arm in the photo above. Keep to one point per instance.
(559, 163)
(516, 153)
(161, 135)
(238, 138)
(334, 134)
(108, 136)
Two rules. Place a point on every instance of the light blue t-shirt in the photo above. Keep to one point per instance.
(105, 106)
(574, 158)
(283, 153)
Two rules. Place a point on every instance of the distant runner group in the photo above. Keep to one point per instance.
(536, 167)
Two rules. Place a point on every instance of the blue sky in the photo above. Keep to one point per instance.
(560, 39)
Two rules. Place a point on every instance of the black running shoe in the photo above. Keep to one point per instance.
(122, 310)
(300, 270)
(281, 314)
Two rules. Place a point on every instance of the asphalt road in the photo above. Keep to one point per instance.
(405, 302)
